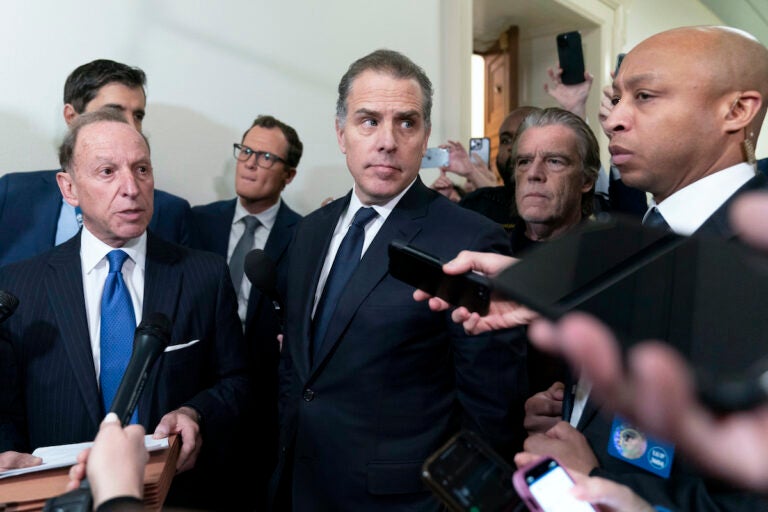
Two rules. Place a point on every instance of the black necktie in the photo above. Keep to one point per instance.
(655, 219)
(344, 265)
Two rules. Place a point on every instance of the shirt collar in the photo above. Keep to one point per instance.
(267, 217)
(383, 210)
(688, 208)
(93, 250)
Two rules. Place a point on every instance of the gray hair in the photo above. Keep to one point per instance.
(393, 63)
(586, 145)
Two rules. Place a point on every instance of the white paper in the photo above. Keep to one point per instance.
(66, 455)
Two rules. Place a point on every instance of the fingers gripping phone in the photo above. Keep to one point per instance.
(425, 271)
(468, 476)
(435, 157)
(571, 57)
(544, 487)
(482, 147)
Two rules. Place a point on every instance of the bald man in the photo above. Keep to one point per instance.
(688, 107)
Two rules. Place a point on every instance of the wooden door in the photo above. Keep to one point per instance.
(501, 85)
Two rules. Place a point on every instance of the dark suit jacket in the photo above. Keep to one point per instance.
(393, 379)
(51, 341)
(29, 212)
(686, 489)
(213, 223)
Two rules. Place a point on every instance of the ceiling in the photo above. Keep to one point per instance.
(492, 17)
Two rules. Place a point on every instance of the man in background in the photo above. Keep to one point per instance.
(33, 215)
(258, 218)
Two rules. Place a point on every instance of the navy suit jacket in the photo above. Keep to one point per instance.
(686, 489)
(52, 347)
(393, 380)
(29, 212)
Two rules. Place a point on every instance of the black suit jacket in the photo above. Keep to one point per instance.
(52, 347)
(213, 223)
(393, 379)
(29, 212)
(687, 488)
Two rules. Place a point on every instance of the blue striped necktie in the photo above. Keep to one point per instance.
(118, 325)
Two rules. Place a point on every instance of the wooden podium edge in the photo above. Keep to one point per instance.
(29, 492)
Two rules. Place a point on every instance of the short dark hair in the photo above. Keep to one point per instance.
(393, 63)
(295, 147)
(84, 82)
(67, 148)
(586, 147)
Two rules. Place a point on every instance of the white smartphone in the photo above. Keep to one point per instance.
(544, 486)
(435, 157)
(482, 147)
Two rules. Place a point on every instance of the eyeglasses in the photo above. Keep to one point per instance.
(264, 159)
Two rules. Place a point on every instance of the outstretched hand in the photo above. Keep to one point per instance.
(572, 98)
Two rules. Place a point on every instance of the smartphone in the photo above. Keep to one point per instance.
(435, 157)
(425, 271)
(482, 147)
(571, 57)
(543, 486)
(468, 476)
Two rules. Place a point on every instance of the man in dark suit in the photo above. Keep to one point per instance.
(62, 339)
(371, 382)
(688, 148)
(267, 158)
(33, 215)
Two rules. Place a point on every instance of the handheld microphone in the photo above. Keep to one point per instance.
(149, 341)
(262, 273)
(8, 304)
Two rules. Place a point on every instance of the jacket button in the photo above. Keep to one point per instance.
(309, 395)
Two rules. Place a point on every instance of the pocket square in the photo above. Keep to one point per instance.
(171, 348)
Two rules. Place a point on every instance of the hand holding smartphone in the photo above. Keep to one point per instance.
(425, 272)
(481, 146)
(544, 487)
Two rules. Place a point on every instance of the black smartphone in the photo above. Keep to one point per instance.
(468, 476)
(571, 57)
(482, 147)
(425, 272)
(544, 486)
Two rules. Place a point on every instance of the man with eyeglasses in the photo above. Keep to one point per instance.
(267, 158)
(33, 215)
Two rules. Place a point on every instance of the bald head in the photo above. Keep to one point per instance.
(685, 102)
(725, 58)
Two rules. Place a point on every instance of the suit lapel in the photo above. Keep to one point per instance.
(222, 226)
(403, 223)
(163, 276)
(50, 207)
(65, 294)
(718, 223)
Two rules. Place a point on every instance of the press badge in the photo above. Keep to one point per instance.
(631, 445)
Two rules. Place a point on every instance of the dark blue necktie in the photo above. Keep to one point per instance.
(655, 219)
(344, 265)
(118, 324)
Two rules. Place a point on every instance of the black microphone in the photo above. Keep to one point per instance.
(262, 273)
(151, 338)
(8, 304)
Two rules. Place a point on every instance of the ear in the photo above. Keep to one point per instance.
(340, 137)
(588, 183)
(742, 111)
(69, 113)
(426, 141)
(68, 188)
(290, 174)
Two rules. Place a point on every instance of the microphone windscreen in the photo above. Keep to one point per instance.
(261, 271)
